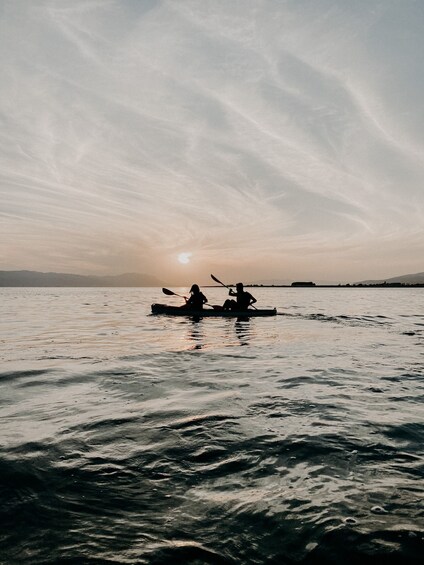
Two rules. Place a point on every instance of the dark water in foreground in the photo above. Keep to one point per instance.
(128, 438)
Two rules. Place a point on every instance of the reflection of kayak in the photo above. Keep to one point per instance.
(208, 312)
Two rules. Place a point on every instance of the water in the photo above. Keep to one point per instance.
(131, 438)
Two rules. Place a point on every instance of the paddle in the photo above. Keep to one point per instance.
(226, 286)
(219, 282)
(172, 293)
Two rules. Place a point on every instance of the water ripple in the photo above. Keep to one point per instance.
(295, 440)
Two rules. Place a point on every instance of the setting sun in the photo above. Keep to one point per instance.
(184, 258)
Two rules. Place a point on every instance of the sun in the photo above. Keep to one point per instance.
(184, 258)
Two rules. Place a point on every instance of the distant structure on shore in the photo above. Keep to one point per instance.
(301, 283)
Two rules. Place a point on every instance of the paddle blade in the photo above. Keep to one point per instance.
(168, 292)
(217, 280)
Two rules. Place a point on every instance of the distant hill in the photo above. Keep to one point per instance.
(36, 279)
(417, 278)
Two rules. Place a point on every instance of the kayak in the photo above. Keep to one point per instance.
(210, 312)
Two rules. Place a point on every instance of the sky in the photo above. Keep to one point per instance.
(259, 140)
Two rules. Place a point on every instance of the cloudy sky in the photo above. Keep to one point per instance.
(261, 139)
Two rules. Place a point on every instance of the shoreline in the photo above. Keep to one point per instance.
(380, 285)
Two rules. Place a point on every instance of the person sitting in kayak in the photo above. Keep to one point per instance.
(243, 299)
(196, 300)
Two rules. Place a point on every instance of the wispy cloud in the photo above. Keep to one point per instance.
(256, 135)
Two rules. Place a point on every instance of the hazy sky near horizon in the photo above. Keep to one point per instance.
(266, 139)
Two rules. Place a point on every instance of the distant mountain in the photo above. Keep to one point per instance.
(36, 279)
(417, 278)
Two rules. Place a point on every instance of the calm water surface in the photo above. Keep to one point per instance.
(131, 438)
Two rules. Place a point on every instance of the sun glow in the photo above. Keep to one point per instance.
(184, 258)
